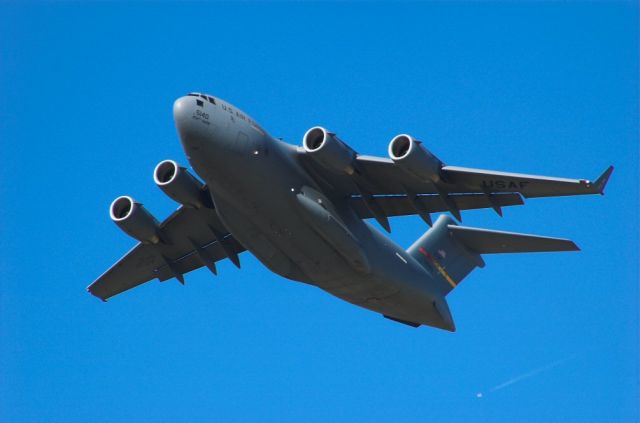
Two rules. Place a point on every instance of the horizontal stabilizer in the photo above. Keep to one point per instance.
(450, 252)
(483, 241)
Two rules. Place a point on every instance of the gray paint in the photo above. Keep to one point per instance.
(303, 217)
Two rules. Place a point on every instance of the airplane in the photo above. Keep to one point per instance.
(302, 211)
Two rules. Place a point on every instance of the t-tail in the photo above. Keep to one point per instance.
(450, 252)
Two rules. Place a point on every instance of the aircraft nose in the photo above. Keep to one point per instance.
(192, 122)
(182, 110)
(195, 120)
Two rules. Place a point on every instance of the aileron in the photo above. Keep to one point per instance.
(529, 186)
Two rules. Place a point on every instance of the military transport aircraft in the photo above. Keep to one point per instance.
(301, 211)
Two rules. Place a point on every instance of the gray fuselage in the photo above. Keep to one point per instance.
(295, 226)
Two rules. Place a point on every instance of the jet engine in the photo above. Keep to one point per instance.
(328, 150)
(135, 220)
(409, 154)
(179, 184)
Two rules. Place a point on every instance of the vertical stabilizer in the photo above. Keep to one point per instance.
(444, 256)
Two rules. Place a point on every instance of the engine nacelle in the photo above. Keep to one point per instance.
(411, 156)
(179, 184)
(135, 220)
(327, 149)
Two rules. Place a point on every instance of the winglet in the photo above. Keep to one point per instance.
(601, 182)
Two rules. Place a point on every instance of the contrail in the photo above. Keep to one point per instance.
(526, 375)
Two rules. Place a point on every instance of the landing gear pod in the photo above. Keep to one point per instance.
(180, 185)
(332, 230)
(135, 220)
(409, 154)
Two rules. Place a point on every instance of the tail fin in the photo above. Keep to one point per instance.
(452, 252)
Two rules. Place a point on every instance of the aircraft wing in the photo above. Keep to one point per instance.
(192, 238)
(379, 188)
(385, 177)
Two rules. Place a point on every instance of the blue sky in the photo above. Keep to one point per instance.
(87, 91)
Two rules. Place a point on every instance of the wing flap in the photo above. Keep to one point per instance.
(399, 205)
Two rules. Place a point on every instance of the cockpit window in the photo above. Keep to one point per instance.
(205, 97)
